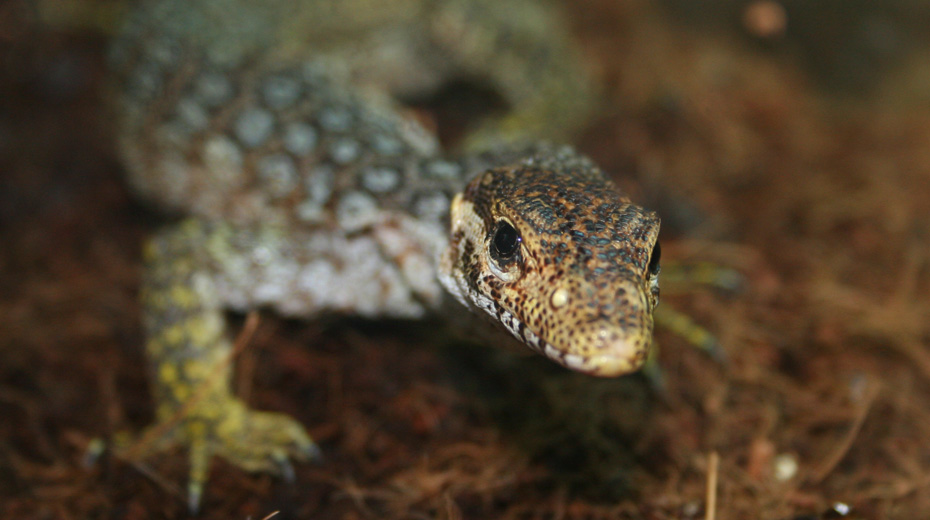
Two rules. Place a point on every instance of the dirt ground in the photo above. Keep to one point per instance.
(798, 155)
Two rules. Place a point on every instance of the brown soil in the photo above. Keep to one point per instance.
(755, 152)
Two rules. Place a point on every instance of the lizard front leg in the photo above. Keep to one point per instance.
(190, 360)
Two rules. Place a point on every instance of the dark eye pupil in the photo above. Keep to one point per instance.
(506, 240)
(654, 260)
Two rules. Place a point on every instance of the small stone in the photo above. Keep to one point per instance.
(785, 466)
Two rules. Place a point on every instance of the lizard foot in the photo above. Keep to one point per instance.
(253, 440)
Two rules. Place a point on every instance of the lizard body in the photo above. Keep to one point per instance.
(271, 124)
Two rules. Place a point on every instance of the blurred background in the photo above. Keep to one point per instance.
(786, 140)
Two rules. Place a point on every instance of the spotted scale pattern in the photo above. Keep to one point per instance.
(579, 289)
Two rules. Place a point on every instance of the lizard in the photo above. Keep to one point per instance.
(272, 126)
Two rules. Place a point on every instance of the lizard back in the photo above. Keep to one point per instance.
(283, 111)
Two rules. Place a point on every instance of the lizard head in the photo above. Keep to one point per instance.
(553, 252)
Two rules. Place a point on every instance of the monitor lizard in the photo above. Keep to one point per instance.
(273, 127)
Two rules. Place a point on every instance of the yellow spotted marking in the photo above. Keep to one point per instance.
(183, 296)
(154, 347)
(181, 392)
(196, 370)
(167, 373)
(196, 429)
(173, 335)
(205, 329)
(164, 411)
(560, 298)
(211, 413)
(149, 251)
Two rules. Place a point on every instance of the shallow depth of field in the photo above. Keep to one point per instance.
(788, 141)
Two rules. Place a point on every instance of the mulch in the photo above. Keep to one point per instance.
(816, 194)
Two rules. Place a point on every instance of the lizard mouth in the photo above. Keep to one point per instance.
(612, 359)
(608, 351)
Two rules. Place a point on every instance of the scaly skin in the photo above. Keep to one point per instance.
(270, 123)
(582, 281)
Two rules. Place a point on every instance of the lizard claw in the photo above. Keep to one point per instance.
(95, 449)
(285, 468)
(312, 452)
(252, 440)
(194, 495)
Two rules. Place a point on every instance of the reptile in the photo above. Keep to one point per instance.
(273, 127)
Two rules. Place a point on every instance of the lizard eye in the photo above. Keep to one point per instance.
(654, 266)
(506, 242)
